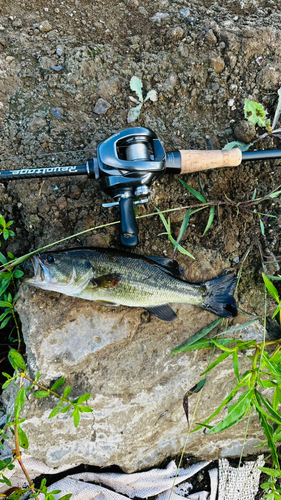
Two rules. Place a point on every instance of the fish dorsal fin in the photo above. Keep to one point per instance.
(170, 266)
(164, 312)
(106, 281)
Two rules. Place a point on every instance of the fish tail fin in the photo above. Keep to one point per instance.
(218, 297)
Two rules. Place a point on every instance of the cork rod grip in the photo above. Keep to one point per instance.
(193, 161)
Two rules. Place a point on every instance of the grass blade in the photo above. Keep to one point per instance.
(210, 220)
(199, 335)
(184, 226)
(239, 327)
(195, 193)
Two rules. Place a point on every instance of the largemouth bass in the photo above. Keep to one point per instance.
(111, 277)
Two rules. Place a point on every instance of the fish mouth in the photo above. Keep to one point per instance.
(41, 272)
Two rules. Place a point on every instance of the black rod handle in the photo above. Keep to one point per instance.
(129, 227)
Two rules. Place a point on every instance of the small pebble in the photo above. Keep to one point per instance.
(192, 20)
(236, 260)
(159, 16)
(45, 27)
(56, 112)
(59, 51)
(57, 68)
(184, 13)
(101, 107)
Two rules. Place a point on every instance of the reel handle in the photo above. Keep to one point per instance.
(129, 227)
(195, 161)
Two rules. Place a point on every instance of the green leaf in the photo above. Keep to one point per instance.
(136, 86)
(67, 391)
(17, 358)
(270, 472)
(261, 226)
(5, 314)
(7, 481)
(23, 441)
(3, 259)
(273, 195)
(3, 465)
(134, 113)
(278, 308)
(184, 225)
(19, 401)
(278, 110)
(199, 335)
(166, 224)
(217, 362)
(266, 415)
(4, 323)
(210, 220)
(235, 412)
(66, 497)
(202, 344)
(180, 248)
(276, 400)
(6, 384)
(152, 95)
(238, 144)
(4, 303)
(85, 409)
(83, 398)
(18, 273)
(236, 364)
(270, 407)
(76, 417)
(56, 410)
(240, 327)
(4, 285)
(230, 396)
(41, 394)
(255, 113)
(2, 221)
(58, 383)
(65, 410)
(195, 193)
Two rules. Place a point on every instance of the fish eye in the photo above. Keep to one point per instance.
(50, 259)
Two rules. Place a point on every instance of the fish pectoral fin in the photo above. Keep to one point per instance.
(106, 281)
(106, 303)
(164, 312)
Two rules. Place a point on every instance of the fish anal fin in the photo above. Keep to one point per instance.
(106, 281)
(164, 312)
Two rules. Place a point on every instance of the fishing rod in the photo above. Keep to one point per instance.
(130, 161)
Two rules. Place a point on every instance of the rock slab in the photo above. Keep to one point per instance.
(123, 357)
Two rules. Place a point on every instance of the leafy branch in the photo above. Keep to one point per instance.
(256, 114)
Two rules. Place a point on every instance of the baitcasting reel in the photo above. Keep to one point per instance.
(130, 161)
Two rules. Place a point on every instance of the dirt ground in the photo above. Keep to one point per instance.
(204, 59)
